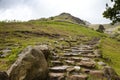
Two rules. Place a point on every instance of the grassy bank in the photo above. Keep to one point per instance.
(111, 53)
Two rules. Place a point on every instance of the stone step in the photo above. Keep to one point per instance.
(69, 62)
(71, 55)
(85, 59)
(76, 59)
(78, 77)
(73, 70)
(89, 55)
(56, 76)
(86, 51)
(59, 69)
(89, 64)
(70, 69)
(57, 63)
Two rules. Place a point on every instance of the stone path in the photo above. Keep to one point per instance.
(79, 62)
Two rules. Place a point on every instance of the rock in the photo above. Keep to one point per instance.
(97, 73)
(4, 53)
(71, 55)
(57, 63)
(85, 59)
(70, 62)
(70, 69)
(56, 76)
(86, 51)
(76, 59)
(64, 58)
(101, 63)
(77, 68)
(110, 74)
(78, 77)
(61, 39)
(60, 69)
(90, 55)
(85, 64)
(30, 65)
(45, 50)
(4, 76)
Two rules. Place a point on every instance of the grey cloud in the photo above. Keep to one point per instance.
(6, 4)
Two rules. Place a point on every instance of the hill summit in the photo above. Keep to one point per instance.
(67, 17)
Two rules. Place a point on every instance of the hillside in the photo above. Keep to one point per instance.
(15, 36)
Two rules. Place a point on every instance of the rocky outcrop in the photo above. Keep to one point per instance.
(31, 64)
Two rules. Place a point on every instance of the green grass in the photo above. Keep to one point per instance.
(111, 50)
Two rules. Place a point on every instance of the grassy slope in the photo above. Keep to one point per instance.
(12, 35)
(111, 50)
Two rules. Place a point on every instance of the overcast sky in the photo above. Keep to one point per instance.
(89, 10)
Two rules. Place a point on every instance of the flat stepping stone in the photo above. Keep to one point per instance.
(85, 59)
(59, 69)
(86, 51)
(65, 58)
(70, 69)
(85, 64)
(78, 77)
(76, 59)
(70, 62)
(89, 55)
(56, 76)
(71, 54)
(56, 63)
